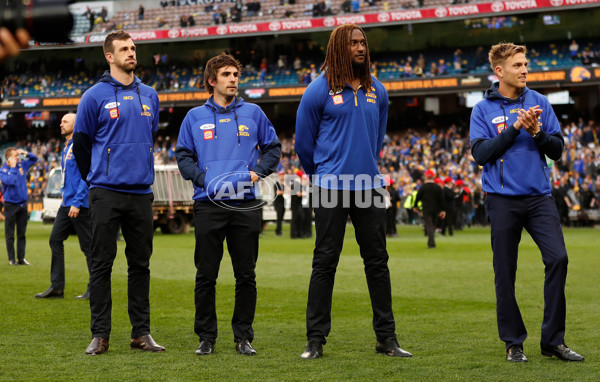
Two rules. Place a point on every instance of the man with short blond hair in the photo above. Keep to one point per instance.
(513, 129)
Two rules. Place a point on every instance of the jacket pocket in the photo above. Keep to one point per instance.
(129, 164)
(227, 179)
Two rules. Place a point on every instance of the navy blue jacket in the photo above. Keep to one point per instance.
(513, 162)
(112, 140)
(14, 180)
(218, 147)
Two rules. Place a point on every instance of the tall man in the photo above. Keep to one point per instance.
(512, 130)
(113, 149)
(340, 126)
(13, 176)
(218, 149)
(72, 214)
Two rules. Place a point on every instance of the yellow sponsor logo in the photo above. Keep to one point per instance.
(372, 95)
(224, 120)
(371, 100)
(129, 98)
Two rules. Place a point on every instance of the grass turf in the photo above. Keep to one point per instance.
(443, 303)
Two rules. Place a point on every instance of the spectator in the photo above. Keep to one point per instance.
(190, 20)
(183, 21)
(141, 12)
(161, 23)
(574, 49)
(164, 3)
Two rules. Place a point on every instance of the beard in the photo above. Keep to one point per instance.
(127, 67)
(358, 67)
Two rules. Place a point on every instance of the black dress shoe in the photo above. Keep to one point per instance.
(561, 352)
(51, 293)
(314, 349)
(145, 343)
(98, 346)
(515, 354)
(206, 347)
(23, 262)
(244, 347)
(12, 262)
(390, 347)
(85, 296)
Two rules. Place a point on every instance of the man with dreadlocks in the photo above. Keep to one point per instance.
(340, 127)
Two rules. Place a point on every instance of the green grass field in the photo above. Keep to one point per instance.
(443, 303)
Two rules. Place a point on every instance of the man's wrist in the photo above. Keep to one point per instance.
(536, 134)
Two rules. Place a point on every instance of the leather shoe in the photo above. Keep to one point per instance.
(98, 346)
(23, 262)
(51, 293)
(244, 347)
(390, 347)
(12, 262)
(145, 343)
(85, 296)
(561, 352)
(515, 354)
(314, 349)
(206, 347)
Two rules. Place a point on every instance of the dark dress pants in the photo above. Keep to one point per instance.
(240, 227)
(15, 215)
(369, 224)
(63, 225)
(429, 221)
(538, 215)
(133, 212)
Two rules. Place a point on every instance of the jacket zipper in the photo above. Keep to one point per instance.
(107, 161)
(502, 173)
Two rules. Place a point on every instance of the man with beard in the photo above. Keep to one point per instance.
(340, 127)
(218, 149)
(116, 119)
(73, 214)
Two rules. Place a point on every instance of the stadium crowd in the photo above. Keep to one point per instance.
(71, 77)
(404, 159)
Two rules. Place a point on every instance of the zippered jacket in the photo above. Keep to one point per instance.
(74, 189)
(14, 180)
(514, 163)
(339, 135)
(218, 147)
(112, 139)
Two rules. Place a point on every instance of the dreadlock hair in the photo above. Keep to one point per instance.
(338, 62)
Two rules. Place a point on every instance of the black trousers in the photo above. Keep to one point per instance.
(133, 212)
(429, 221)
(280, 209)
(15, 215)
(240, 227)
(63, 225)
(369, 224)
(538, 215)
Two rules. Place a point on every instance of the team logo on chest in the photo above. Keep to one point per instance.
(501, 127)
(208, 135)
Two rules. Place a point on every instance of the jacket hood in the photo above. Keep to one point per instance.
(493, 93)
(106, 77)
(237, 102)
